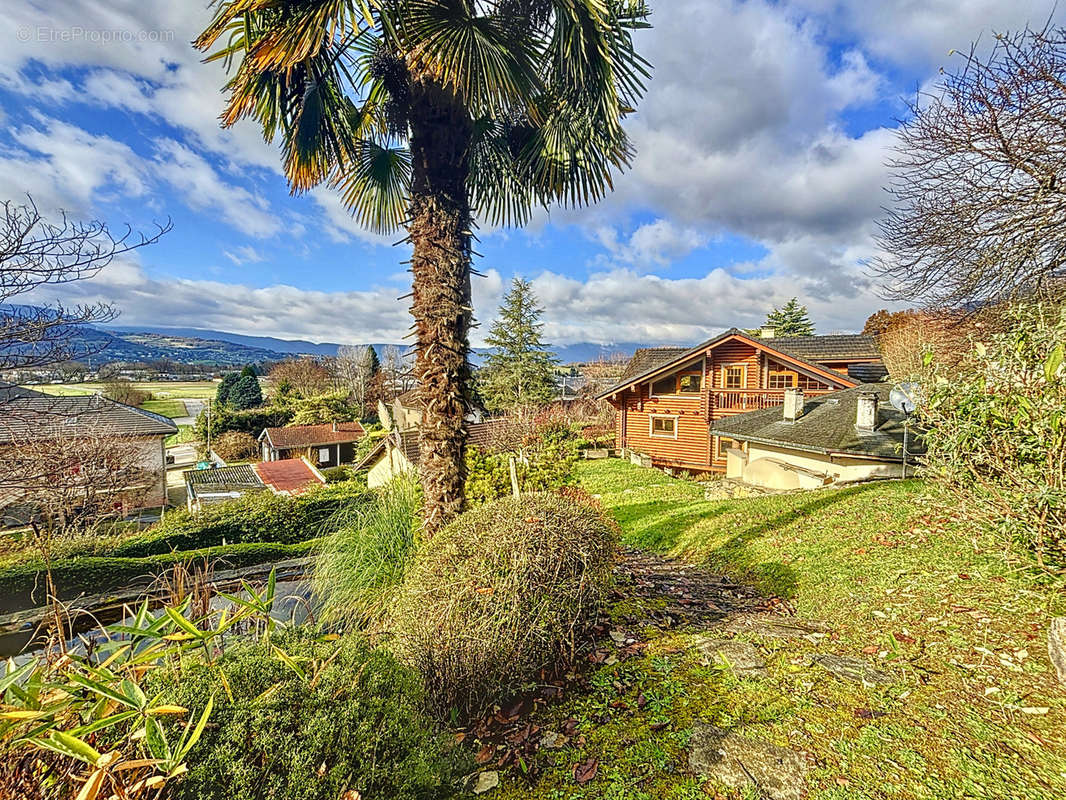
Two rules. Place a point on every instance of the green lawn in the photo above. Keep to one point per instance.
(168, 408)
(975, 710)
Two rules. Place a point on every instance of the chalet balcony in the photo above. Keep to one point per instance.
(740, 400)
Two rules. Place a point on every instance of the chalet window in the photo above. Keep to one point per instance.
(724, 444)
(663, 427)
(664, 386)
(734, 376)
(781, 379)
(689, 384)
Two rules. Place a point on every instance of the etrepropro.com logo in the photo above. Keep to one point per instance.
(77, 33)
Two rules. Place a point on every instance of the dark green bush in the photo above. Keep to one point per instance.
(500, 593)
(337, 474)
(251, 421)
(351, 727)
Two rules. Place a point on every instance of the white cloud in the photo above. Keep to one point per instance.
(63, 166)
(654, 244)
(203, 188)
(244, 255)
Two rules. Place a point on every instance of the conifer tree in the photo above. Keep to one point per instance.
(790, 320)
(225, 387)
(246, 393)
(518, 372)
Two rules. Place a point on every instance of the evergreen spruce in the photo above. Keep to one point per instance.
(519, 371)
(246, 393)
(224, 388)
(375, 362)
(791, 320)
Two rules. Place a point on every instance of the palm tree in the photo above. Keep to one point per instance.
(425, 114)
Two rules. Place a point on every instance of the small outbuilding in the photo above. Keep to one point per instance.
(399, 452)
(328, 445)
(805, 443)
(292, 476)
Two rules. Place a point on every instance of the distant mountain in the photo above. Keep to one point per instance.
(291, 346)
(568, 354)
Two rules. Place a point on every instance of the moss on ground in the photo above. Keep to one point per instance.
(974, 710)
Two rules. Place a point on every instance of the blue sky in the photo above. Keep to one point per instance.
(761, 151)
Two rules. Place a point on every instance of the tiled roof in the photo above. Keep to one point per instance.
(9, 391)
(27, 416)
(236, 478)
(868, 373)
(647, 359)
(288, 476)
(827, 426)
(292, 436)
(409, 399)
(834, 347)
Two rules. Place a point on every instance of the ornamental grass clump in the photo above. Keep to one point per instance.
(360, 566)
(500, 593)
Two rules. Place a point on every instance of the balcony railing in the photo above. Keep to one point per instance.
(751, 399)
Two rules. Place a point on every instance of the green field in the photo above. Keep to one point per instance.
(159, 390)
(972, 710)
(168, 408)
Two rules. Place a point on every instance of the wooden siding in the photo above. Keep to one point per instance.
(694, 448)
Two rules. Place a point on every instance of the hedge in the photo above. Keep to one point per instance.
(22, 585)
(262, 517)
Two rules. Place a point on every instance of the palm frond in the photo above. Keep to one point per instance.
(483, 57)
(375, 185)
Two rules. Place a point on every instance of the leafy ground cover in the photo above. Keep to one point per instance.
(971, 707)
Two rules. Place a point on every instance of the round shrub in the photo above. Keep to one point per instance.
(351, 726)
(500, 593)
(235, 446)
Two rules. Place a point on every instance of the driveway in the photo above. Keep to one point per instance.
(192, 409)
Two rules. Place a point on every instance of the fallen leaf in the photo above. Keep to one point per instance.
(585, 772)
(870, 649)
(484, 755)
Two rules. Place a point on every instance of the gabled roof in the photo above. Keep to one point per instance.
(657, 360)
(293, 436)
(9, 391)
(26, 416)
(834, 347)
(289, 476)
(478, 434)
(827, 426)
(649, 358)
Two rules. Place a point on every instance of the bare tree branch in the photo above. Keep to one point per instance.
(36, 252)
(979, 209)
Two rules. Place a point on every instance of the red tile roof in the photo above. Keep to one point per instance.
(289, 476)
(292, 436)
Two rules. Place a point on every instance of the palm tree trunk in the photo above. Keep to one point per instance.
(439, 228)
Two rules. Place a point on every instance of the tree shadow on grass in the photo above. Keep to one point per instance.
(736, 556)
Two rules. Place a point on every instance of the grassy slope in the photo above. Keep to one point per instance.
(976, 711)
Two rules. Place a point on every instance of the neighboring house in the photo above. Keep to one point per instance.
(670, 398)
(849, 435)
(328, 445)
(291, 476)
(398, 453)
(407, 412)
(27, 415)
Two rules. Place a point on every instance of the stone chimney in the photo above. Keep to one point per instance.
(793, 404)
(767, 332)
(866, 411)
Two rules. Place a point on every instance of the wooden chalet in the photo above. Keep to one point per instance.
(670, 397)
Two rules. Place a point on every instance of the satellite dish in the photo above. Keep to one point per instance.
(905, 397)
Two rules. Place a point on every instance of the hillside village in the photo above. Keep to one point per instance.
(577, 532)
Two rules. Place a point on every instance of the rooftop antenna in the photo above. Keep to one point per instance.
(904, 397)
